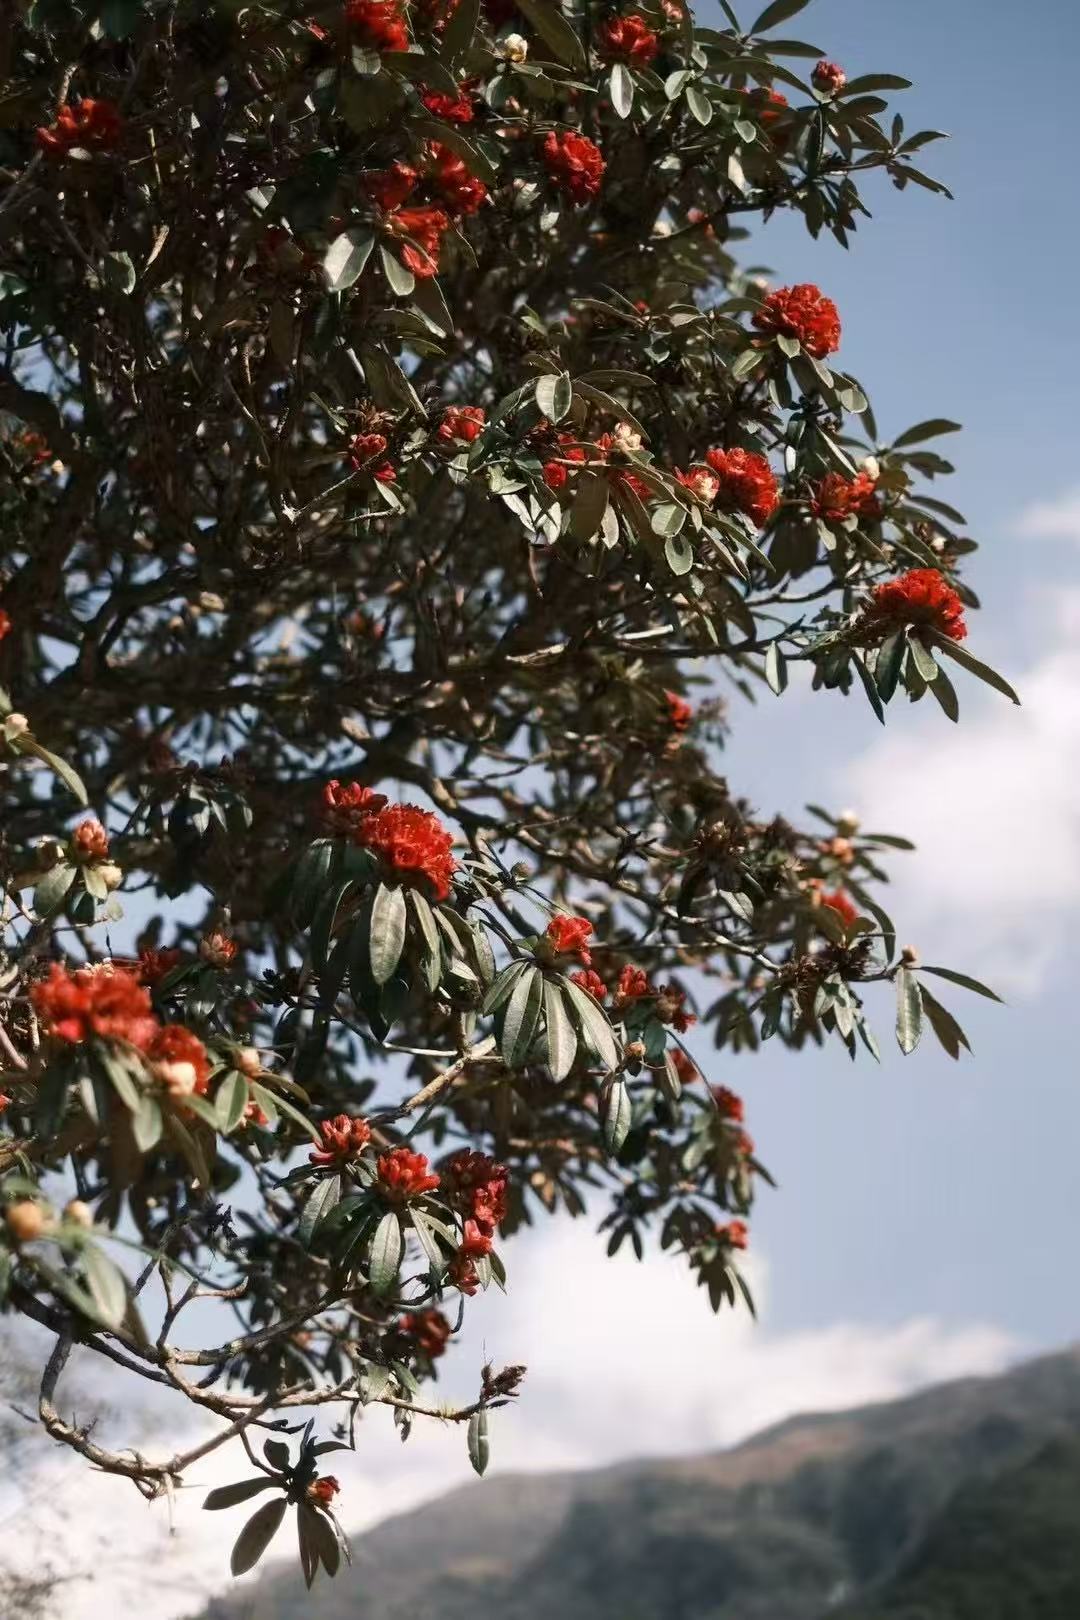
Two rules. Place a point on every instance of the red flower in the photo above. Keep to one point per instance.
(462, 1273)
(829, 78)
(574, 163)
(633, 984)
(555, 474)
(475, 1243)
(627, 39)
(461, 191)
(365, 454)
(424, 227)
(5, 1102)
(592, 982)
(700, 481)
(94, 126)
(922, 596)
(429, 1329)
(837, 497)
(254, 1115)
(747, 483)
(744, 1144)
(323, 1489)
(477, 1185)
(769, 104)
(379, 24)
(218, 949)
(680, 713)
(343, 806)
(404, 1174)
(5, 624)
(90, 841)
(670, 1008)
(728, 1104)
(180, 1059)
(734, 1235)
(105, 1001)
(463, 423)
(412, 842)
(838, 901)
(390, 187)
(684, 1066)
(343, 1138)
(569, 936)
(805, 313)
(153, 965)
(456, 110)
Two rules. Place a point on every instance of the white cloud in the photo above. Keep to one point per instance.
(1052, 520)
(624, 1360)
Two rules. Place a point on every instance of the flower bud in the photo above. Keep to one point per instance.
(871, 466)
(515, 48)
(909, 956)
(625, 437)
(248, 1061)
(635, 1051)
(25, 1220)
(15, 725)
(847, 823)
(111, 875)
(79, 1214)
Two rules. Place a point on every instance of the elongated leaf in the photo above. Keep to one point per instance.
(345, 258)
(426, 923)
(322, 927)
(974, 666)
(521, 1017)
(50, 892)
(67, 774)
(617, 1112)
(555, 31)
(425, 1236)
(938, 424)
(554, 395)
(590, 504)
(479, 1446)
(146, 1125)
(459, 30)
(227, 1496)
(320, 1202)
(231, 1101)
(923, 659)
(107, 1285)
(400, 278)
(561, 1039)
(908, 1010)
(621, 86)
(593, 1023)
(963, 979)
(778, 12)
(387, 1247)
(776, 670)
(945, 692)
(387, 938)
(257, 1535)
(890, 662)
(944, 1025)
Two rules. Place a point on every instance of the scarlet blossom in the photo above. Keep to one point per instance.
(344, 804)
(463, 423)
(684, 1066)
(839, 902)
(366, 455)
(923, 596)
(344, 1137)
(34, 446)
(93, 126)
(569, 936)
(5, 624)
(412, 843)
(475, 1243)
(747, 483)
(461, 191)
(429, 1330)
(744, 1144)
(390, 187)
(180, 1060)
(836, 498)
(633, 985)
(255, 1115)
(700, 481)
(769, 104)
(680, 713)
(554, 475)
(574, 163)
(5, 1102)
(734, 1235)
(424, 227)
(455, 109)
(671, 1008)
(728, 1104)
(404, 1174)
(592, 982)
(90, 841)
(462, 1273)
(829, 78)
(218, 949)
(477, 1185)
(154, 965)
(105, 1001)
(805, 313)
(627, 39)
(378, 23)
(323, 1489)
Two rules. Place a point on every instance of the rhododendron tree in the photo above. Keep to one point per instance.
(395, 460)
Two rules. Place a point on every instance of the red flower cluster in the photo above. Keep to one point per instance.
(734, 1235)
(627, 39)
(839, 902)
(700, 481)
(90, 841)
(671, 1008)
(829, 78)
(592, 982)
(922, 596)
(461, 191)
(323, 1489)
(574, 163)
(425, 228)
(94, 126)
(555, 474)
(428, 1329)
(344, 1137)
(379, 24)
(633, 985)
(412, 842)
(805, 313)
(180, 1059)
(685, 1067)
(154, 965)
(729, 1105)
(217, 948)
(344, 805)
(461, 423)
(836, 498)
(455, 109)
(404, 1174)
(367, 454)
(569, 936)
(476, 1184)
(390, 187)
(5, 624)
(105, 1001)
(680, 713)
(747, 483)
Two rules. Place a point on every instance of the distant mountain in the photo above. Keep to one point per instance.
(881, 1513)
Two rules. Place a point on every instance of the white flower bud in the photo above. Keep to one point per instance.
(626, 438)
(872, 467)
(515, 48)
(16, 724)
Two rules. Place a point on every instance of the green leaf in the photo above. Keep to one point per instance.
(590, 505)
(953, 649)
(554, 395)
(479, 1447)
(345, 258)
(880, 81)
(387, 938)
(432, 963)
(561, 1038)
(118, 272)
(401, 279)
(678, 554)
(50, 892)
(621, 86)
(699, 104)
(257, 1535)
(555, 31)
(944, 1025)
(146, 1124)
(908, 1010)
(923, 659)
(425, 1236)
(521, 1017)
(890, 661)
(945, 692)
(500, 989)
(309, 1551)
(320, 1202)
(925, 430)
(227, 1496)
(231, 1101)
(459, 30)
(593, 1023)
(617, 1111)
(387, 1247)
(69, 776)
(322, 926)
(963, 979)
(277, 1454)
(107, 1285)
(118, 17)
(776, 670)
(778, 12)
